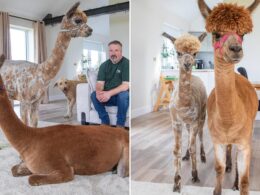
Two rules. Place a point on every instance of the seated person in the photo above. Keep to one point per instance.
(112, 88)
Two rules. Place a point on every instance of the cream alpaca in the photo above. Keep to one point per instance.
(187, 106)
(233, 104)
(26, 81)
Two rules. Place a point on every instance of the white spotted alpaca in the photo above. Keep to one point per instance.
(187, 105)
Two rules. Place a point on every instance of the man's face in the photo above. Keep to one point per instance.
(115, 53)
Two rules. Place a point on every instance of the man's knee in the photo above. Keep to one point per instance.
(93, 96)
(123, 96)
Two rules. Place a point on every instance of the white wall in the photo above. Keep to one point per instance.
(119, 30)
(100, 26)
(147, 24)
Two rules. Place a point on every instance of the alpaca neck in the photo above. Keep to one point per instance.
(18, 134)
(51, 66)
(227, 101)
(184, 88)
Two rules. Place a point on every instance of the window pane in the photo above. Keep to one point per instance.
(18, 44)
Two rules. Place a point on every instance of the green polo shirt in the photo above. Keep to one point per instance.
(114, 74)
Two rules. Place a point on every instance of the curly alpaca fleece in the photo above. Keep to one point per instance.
(187, 44)
(229, 18)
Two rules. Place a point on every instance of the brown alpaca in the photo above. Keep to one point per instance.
(233, 104)
(27, 82)
(54, 154)
(68, 87)
(187, 106)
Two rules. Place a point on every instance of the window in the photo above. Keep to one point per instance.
(21, 43)
(168, 55)
(93, 55)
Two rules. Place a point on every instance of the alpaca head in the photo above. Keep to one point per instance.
(74, 23)
(228, 24)
(187, 46)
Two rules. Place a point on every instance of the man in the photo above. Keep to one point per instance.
(112, 88)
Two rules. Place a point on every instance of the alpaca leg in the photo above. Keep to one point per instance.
(229, 159)
(202, 151)
(187, 155)
(192, 150)
(60, 175)
(123, 165)
(177, 129)
(235, 186)
(243, 162)
(34, 110)
(20, 170)
(24, 113)
(220, 158)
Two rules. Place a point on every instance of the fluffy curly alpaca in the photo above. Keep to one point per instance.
(233, 104)
(187, 105)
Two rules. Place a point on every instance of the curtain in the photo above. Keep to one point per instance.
(5, 43)
(40, 50)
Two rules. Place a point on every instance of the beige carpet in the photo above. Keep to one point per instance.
(102, 184)
(148, 188)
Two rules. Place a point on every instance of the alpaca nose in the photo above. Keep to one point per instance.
(187, 65)
(235, 48)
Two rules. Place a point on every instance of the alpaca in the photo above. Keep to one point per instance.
(187, 105)
(68, 87)
(27, 82)
(54, 154)
(232, 105)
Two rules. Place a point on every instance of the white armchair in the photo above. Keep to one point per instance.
(86, 107)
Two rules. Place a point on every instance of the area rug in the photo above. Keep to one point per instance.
(102, 184)
(148, 188)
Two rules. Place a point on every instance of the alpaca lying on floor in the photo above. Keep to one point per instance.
(187, 105)
(54, 154)
(68, 87)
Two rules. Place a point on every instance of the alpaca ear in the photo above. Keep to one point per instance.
(254, 5)
(72, 10)
(169, 37)
(56, 84)
(2, 59)
(202, 36)
(204, 9)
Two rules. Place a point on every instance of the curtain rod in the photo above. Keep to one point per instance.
(23, 18)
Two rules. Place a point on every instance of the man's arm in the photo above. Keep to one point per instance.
(123, 87)
(100, 86)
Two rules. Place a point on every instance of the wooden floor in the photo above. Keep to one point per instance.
(54, 111)
(152, 158)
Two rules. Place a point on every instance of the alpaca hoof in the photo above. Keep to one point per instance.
(33, 181)
(15, 171)
(176, 188)
(216, 192)
(203, 158)
(228, 169)
(177, 184)
(235, 187)
(185, 158)
(195, 180)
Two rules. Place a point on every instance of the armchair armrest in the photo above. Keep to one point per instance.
(83, 100)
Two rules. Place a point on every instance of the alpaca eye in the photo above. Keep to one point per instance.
(65, 82)
(217, 36)
(179, 54)
(78, 21)
(194, 54)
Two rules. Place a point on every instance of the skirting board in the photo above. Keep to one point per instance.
(257, 116)
(141, 111)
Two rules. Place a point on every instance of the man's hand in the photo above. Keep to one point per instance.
(103, 96)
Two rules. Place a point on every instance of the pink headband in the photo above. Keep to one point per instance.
(219, 44)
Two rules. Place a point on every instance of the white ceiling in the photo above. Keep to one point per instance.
(38, 9)
(188, 9)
